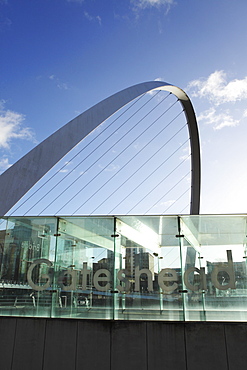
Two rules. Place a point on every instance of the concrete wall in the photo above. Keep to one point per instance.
(59, 344)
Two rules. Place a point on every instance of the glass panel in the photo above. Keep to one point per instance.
(192, 275)
(129, 268)
(149, 275)
(27, 256)
(84, 268)
(219, 286)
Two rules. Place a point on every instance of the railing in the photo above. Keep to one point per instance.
(177, 268)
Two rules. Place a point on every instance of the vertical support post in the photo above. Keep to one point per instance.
(114, 298)
(180, 237)
(55, 292)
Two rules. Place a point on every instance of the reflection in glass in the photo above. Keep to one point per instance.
(124, 268)
(24, 241)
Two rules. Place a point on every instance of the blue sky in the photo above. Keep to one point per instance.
(60, 57)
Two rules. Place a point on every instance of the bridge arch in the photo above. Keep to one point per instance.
(16, 181)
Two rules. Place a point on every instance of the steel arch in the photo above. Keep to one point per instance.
(16, 181)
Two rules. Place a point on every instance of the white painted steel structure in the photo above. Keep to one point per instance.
(19, 178)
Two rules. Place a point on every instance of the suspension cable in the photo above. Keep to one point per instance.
(73, 169)
(128, 178)
(100, 158)
(171, 187)
(71, 159)
(177, 198)
(187, 205)
(148, 178)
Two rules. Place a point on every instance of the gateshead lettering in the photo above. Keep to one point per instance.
(167, 278)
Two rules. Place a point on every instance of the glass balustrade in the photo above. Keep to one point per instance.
(169, 268)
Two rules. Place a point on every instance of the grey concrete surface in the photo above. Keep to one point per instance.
(166, 346)
(128, 346)
(59, 344)
(7, 342)
(236, 340)
(29, 343)
(205, 346)
(93, 345)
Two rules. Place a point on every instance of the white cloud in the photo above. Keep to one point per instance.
(137, 146)
(111, 168)
(168, 203)
(143, 4)
(66, 163)
(91, 18)
(11, 127)
(98, 19)
(4, 164)
(218, 120)
(61, 85)
(159, 79)
(245, 113)
(186, 152)
(216, 88)
(2, 103)
(153, 92)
